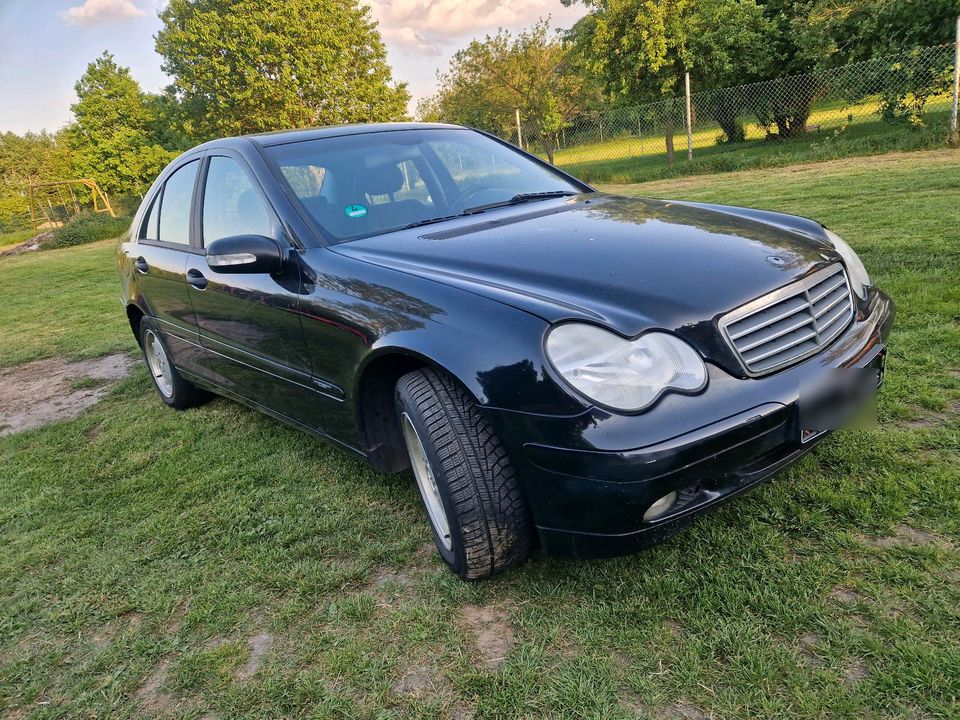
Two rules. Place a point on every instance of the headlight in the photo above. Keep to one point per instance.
(624, 374)
(859, 279)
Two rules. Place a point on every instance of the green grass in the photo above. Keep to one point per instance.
(15, 237)
(62, 302)
(627, 159)
(144, 549)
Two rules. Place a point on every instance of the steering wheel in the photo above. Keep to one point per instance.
(473, 196)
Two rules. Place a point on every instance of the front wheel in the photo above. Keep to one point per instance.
(479, 517)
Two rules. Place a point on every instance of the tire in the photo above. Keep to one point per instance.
(172, 388)
(477, 512)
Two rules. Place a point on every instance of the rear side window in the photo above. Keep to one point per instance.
(174, 224)
(231, 204)
(151, 229)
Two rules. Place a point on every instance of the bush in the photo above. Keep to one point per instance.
(86, 228)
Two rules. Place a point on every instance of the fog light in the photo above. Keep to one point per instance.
(660, 507)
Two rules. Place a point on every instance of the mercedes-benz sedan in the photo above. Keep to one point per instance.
(558, 366)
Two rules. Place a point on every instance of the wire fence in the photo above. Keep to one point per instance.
(894, 96)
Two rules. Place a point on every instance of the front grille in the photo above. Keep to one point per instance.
(791, 323)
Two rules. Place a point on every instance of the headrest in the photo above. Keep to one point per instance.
(380, 180)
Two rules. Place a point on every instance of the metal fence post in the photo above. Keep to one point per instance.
(686, 82)
(956, 85)
(519, 132)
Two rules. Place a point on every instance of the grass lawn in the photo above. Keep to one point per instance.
(214, 563)
(628, 159)
(18, 236)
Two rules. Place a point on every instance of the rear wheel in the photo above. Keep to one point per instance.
(173, 389)
(479, 517)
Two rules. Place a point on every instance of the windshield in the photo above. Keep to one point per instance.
(355, 186)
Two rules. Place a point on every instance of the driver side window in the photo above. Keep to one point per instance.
(231, 204)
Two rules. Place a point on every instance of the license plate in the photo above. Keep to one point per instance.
(843, 397)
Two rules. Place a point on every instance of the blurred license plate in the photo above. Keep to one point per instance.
(842, 397)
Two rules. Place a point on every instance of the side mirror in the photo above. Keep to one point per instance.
(245, 254)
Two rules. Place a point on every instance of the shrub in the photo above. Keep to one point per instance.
(86, 228)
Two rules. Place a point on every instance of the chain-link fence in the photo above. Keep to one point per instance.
(896, 102)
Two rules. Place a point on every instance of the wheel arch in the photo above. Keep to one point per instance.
(134, 316)
(376, 412)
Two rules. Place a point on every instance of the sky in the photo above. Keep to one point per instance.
(45, 45)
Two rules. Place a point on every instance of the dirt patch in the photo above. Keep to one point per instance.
(152, 696)
(31, 245)
(44, 391)
(856, 672)
(677, 711)
(259, 645)
(493, 635)
(417, 681)
(906, 536)
(845, 595)
(105, 634)
(810, 644)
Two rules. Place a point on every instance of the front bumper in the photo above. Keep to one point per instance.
(588, 496)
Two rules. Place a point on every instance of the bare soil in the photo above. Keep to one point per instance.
(44, 391)
(259, 645)
(492, 633)
(906, 536)
(31, 245)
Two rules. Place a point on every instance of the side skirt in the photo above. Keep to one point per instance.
(224, 392)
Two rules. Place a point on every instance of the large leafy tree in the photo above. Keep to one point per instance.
(530, 71)
(642, 48)
(111, 138)
(242, 66)
(843, 31)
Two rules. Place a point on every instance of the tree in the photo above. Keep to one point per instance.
(25, 160)
(242, 66)
(530, 71)
(110, 139)
(642, 48)
(846, 31)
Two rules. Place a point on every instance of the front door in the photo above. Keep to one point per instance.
(249, 323)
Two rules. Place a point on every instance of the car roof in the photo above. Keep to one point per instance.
(281, 137)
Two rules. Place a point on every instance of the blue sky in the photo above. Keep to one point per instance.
(45, 45)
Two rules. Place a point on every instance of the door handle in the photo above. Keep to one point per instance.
(196, 279)
(141, 265)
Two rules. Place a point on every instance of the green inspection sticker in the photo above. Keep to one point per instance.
(355, 211)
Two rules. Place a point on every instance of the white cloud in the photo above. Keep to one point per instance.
(95, 12)
(422, 27)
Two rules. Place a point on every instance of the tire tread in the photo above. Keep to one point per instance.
(489, 507)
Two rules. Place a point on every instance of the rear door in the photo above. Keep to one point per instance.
(159, 257)
(249, 323)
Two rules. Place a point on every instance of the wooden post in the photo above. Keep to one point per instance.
(33, 215)
(686, 80)
(519, 131)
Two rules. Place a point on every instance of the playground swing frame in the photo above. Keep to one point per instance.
(101, 203)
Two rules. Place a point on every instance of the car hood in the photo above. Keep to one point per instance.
(628, 263)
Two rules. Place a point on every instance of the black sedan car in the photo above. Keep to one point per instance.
(558, 366)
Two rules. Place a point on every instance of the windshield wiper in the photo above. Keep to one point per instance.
(522, 198)
(431, 221)
(515, 200)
